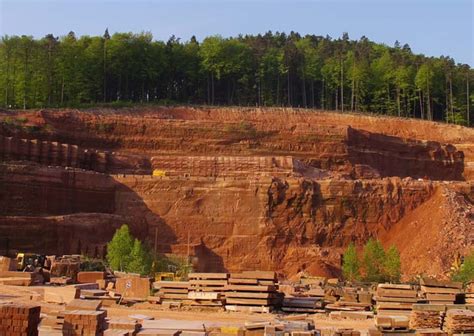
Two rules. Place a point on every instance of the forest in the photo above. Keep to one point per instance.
(271, 69)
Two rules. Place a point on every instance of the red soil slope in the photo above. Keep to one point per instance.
(430, 236)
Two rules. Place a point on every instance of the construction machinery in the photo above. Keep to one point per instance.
(28, 262)
(166, 276)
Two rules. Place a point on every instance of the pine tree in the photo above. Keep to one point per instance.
(392, 264)
(140, 259)
(351, 264)
(373, 261)
(120, 248)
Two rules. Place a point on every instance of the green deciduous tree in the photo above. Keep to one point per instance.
(272, 69)
(140, 259)
(373, 261)
(376, 264)
(392, 265)
(119, 249)
(466, 272)
(351, 264)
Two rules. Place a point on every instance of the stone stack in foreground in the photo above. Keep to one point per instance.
(459, 321)
(252, 291)
(84, 323)
(427, 316)
(395, 299)
(19, 320)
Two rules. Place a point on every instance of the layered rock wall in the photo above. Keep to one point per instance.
(35, 190)
(229, 223)
(242, 189)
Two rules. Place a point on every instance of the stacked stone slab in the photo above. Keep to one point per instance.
(84, 322)
(392, 323)
(427, 316)
(122, 326)
(207, 289)
(171, 291)
(346, 332)
(351, 299)
(470, 293)
(395, 300)
(19, 320)
(252, 291)
(53, 322)
(459, 321)
(302, 304)
(303, 327)
(440, 292)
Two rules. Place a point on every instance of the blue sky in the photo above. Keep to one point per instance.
(432, 27)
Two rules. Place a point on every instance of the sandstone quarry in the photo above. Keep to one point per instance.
(240, 189)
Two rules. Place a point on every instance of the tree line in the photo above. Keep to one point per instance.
(271, 69)
(374, 265)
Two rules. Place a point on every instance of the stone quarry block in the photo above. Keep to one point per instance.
(133, 287)
(78, 304)
(7, 264)
(88, 277)
(19, 319)
(61, 294)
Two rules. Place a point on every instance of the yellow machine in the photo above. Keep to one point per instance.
(165, 276)
(159, 172)
(29, 261)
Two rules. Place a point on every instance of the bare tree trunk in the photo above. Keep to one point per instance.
(421, 105)
(25, 79)
(312, 93)
(303, 82)
(451, 97)
(208, 90)
(342, 85)
(278, 91)
(323, 95)
(337, 100)
(352, 93)
(259, 91)
(212, 88)
(7, 79)
(62, 90)
(289, 90)
(398, 101)
(447, 101)
(468, 117)
(105, 71)
(428, 102)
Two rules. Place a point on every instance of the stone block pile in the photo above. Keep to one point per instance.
(19, 320)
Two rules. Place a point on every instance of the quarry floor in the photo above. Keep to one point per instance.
(20, 294)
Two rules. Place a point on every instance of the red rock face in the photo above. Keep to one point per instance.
(281, 190)
(232, 224)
